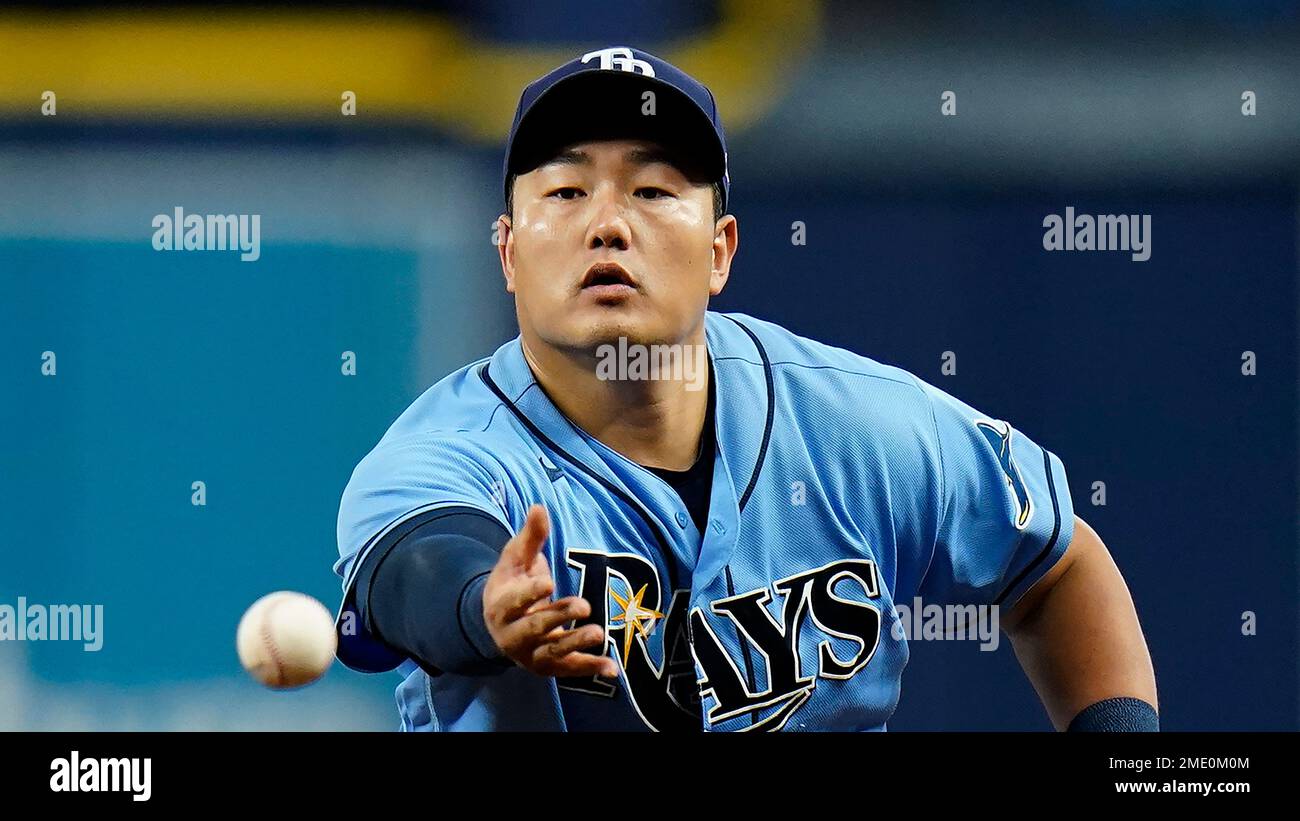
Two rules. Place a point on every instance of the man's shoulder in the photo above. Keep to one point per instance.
(458, 418)
(801, 359)
(458, 407)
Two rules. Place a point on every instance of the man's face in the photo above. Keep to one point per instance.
(609, 239)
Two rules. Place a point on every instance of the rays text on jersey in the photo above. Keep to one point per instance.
(838, 599)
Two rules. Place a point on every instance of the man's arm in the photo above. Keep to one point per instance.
(1077, 635)
(444, 595)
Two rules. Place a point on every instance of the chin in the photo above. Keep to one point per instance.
(590, 332)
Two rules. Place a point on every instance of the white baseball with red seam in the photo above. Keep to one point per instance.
(286, 639)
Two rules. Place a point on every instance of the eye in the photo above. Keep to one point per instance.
(566, 193)
(652, 193)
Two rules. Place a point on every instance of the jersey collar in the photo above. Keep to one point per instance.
(745, 395)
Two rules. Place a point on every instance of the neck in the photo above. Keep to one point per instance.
(656, 422)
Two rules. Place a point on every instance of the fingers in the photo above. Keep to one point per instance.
(547, 604)
(522, 576)
(520, 595)
(532, 629)
(526, 625)
(569, 641)
(559, 656)
(576, 665)
(526, 545)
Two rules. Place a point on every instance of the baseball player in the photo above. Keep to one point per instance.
(643, 515)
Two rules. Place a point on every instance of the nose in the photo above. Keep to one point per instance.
(608, 228)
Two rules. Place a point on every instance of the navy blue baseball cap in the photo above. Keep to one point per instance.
(600, 96)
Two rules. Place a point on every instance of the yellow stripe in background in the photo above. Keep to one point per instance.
(278, 66)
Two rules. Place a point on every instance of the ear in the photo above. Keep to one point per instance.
(506, 251)
(726, 238)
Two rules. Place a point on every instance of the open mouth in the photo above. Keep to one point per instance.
(608, 278)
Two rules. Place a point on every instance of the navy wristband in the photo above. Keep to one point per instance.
(1117, 715)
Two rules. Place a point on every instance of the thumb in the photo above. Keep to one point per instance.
(527, 543)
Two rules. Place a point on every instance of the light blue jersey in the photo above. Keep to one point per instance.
(840, 486)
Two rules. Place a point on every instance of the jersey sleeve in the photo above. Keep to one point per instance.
(396, 482)
(1005, 511)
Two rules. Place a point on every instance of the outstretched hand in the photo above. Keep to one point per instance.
(527, 626)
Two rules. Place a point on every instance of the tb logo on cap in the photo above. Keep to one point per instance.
(620, 57)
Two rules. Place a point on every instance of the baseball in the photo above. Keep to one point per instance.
(286, 639)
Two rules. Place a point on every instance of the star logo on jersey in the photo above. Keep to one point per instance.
(635, 616)
(998, 435)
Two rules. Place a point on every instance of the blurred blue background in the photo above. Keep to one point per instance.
(924, 235)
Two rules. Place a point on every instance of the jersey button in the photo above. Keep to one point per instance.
(681, 519)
